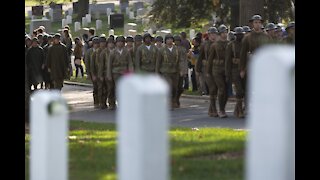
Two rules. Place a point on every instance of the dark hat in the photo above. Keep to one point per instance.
(270, 26)
(238, 30)
(290, 25)
(102, 39)
(183, 34)
(76, 39)
(110, 40)
(138, 37)
(246, 29)
(176, 38)
(57, 35)
(168, 36)
(222, 28)
(40, 36)
(256, 17)
(120, 39)
(159, 38)
(35, 39)
(95, 40)
(146, 35)
(198, 39)
(212, 30)
(129, 39)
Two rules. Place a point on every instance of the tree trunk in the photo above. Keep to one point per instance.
(235, 14)
(248, 8)
(83, 9)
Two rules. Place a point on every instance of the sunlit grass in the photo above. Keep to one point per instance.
(207, 153)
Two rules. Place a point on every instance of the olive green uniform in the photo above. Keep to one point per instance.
(145, 59)
(216, 71)
(183, 71)
(94, 64)
(168, 65)
(88, 59)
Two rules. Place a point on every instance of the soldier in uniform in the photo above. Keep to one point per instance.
(129, 45)
(94, 42)
(97, 67)
(119, 63)
(137, 42)
(216, 69)
(183, 67)
(232, 69)
(290, 39)
(146, 55)
(94, 64)
(46, 75)
(201, 67)
(271, 31)
(168, 66)
(35, 63)
(159, 42)
(58, 62)
(246, 29)
(250, 43)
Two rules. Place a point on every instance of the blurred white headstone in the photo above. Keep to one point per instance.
(77, 26)
(108, 11)
(192, 34)
(84, 22)
(49, 136)
(88, 17)
(131, 15)
(111, 32)
(69, 19)
(142, 123)
(270, 152)
(98, 24)
(70, 11)
(127, 11)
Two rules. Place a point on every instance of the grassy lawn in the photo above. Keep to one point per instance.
(36, 3)
(209, 153)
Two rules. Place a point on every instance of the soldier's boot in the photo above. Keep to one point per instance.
(236, 110)
(222, 112)
(240, 108)
(95, 102)
(212, 112)
(178, 100)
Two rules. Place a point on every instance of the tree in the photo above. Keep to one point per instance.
(248, 8)
(83, 8)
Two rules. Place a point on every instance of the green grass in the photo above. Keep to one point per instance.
(35, 3)
(204, 154)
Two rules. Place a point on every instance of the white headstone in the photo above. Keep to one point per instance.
(111, 32)
(98, 24)
(84, 22)
(108, 19)
(140, 12)
(127, 11)
(49, 136)
(29, 14)
(77, 26)
(69, 19)
(132, 32)
(131, 15)
(129, 26)
(63, 22)
(142, 123)
(271, 140)
(88, 17)
(108, 11)
(192, 34)
(145, 21)
(70, 11)
(150, 31)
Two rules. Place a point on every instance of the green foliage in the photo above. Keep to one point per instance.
(276, 9)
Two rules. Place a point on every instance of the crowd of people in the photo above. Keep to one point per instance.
(217, 60)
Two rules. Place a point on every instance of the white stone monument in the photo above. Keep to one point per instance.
(77, 26)
(111, 32)
(69, 19)
(84, 22)
(131, 15)
(88, 17)
(98, 24)
(192, 33)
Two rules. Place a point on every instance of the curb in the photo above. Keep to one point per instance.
(205, 97)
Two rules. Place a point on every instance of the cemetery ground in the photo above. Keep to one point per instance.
(204, 153)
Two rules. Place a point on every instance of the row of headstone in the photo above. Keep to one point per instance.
(35, 23)
(123, 5)
(129, 28)
(101, 8)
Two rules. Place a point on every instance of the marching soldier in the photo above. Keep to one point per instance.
(216, 69)
(137, 43)
(119, 63)
(58, 62)
(159, 42)
(129, 45)
(232, 69)
(246, 29)
(89, 62)
(98, 64)
(255, 39)
(168, 66)
(271, 31)
(183, 67)
(290, 39)
(146, 55)
(201, 67)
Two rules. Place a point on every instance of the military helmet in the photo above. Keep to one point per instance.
(176, 38)
(239, 30)
(95, 40)
(159, 38)
(35, 39)
(57, 35)
(147, 35)
(222, 28)
(212, 30)
(27, 37)
(138, 37)
(271, 26)
(290, 25)
(102, 35)
(45, 36)
(129, 39)
(120, 39)
(231, 36)
(246, 29)
(168, 36)
(256, 17)
(40, 36)
(102, 39)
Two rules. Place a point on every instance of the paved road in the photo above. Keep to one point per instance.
(193, 112)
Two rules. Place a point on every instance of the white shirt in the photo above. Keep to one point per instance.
(120, 51)
(170, 48)
(148, 47)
